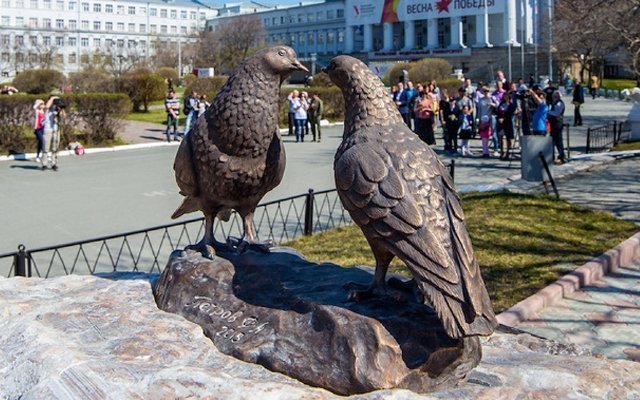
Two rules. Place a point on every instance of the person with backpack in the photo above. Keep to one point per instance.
(191, 111)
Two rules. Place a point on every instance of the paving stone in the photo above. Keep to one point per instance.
(633, 353)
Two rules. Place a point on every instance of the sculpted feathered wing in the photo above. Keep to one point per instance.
(408, 206)
(186, 178)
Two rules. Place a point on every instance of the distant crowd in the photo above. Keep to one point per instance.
(494, 113)
(194, 106)
(305, 115)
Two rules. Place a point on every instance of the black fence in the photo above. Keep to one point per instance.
(603, 138)
(147, 250)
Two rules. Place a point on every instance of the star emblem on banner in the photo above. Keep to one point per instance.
(443, 5)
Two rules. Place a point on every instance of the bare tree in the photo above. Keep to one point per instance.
(230, 43)
(120, 60)
(622, 19)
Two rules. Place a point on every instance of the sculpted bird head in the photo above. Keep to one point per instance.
(347, 71)
(279, 60)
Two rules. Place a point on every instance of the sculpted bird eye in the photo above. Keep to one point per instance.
(282, 53)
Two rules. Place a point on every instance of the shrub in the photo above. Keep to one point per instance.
(91, 80)
(91, 119)
(35, 81)
(188, 79)
(321, 80)
(451, 85)
(429, 69)
(209, 86)
(168, 73)
(143, 87)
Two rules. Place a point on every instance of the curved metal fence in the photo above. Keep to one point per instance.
(147, 250)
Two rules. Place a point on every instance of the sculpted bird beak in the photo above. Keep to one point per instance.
(297, 65)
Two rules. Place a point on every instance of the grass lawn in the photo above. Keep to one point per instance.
(635, 145)
(618, 84)
(522, 243)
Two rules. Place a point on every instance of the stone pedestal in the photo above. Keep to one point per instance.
(531, 145)
(293, 317)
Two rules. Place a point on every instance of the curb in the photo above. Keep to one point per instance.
(622, 254)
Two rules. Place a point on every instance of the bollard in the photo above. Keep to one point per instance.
(308, 214)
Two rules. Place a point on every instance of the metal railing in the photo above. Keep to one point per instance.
(603, 138)
(146, 250)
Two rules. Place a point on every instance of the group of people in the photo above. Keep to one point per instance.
(305, 115)
(47, 119)
(492, 113)
(194, 107)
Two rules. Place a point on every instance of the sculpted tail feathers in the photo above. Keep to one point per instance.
(189, 205)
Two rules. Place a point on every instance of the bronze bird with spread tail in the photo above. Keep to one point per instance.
(402, 197)
(234, 155)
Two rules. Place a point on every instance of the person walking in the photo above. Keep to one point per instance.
(191, 111)
(556, 123)
(594, 85)
(316, 108)
(172, 107)
(578, 101)
(423, 110)
(54, 112)
(38, 126)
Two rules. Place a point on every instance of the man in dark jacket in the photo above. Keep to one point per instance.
(578, 100)
(316, 109)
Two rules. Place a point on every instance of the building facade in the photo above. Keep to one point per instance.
(70, 34)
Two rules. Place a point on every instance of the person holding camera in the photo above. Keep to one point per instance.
(539, 120)
(54, 112)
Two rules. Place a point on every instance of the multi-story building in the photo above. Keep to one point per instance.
(474, 35)
(68, 34)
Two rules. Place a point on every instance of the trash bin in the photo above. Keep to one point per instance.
(531, 165)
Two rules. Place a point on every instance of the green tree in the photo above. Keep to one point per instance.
(429, 69)
(36, 81)
(143, 87)
(91, 80)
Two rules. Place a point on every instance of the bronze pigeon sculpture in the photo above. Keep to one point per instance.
(235, 155)
(402, 197)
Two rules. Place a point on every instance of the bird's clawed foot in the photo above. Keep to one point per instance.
(203, 248)
(359, 292)
(241, 245)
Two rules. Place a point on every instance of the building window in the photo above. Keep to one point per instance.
(163, 29)
(143, 43)
(33, 40)
(143, 28)
(97, 7)
(46, 40)
(174, 14)
(120, 27)
(19, 3)
(46, 4)
(108, 8)
(163, 13)
(84, 25)
(5, 20)
(320, 37)
(60, 24)
(310, 17)
(300, 18)
(192, 15)
(153, 12)
(131, 10)
(59, 41)
(85, 7)
(84, 59)
(84, 42)
(131, 44)
(108, 43)
(132, 27)
(72, 24)
(329, 14)
(183, 14)
(120, 43)
(19, 57)
(59, 5)
(319, 15)
(5, 40)
(33, 3)
(301, 39)
(46, 23)
(292, 19)
(120, 10)
(203, 16)
(142, 10)
(5, 57)
(72, 41)
(20, 21)
(96, 42)
(183, 30)
(71, 59)
(153, 28)
(108, 26)
(340, 13)
(96, 25)
(174, 29)
(331, 37)
(6, 3)
(72, 6)
(33, 22)
(340, 36)
(442, 32)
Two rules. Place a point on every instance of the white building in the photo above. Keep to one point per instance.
(72, 31)
(474, 35)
